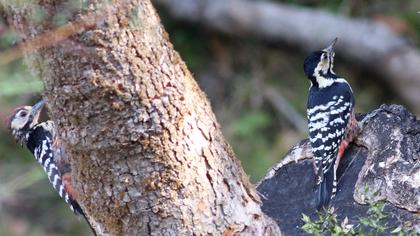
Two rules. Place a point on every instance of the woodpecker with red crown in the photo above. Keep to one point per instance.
(331, 120)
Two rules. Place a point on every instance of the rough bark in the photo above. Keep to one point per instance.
(385, 158)
(368, 44)
(147, 154)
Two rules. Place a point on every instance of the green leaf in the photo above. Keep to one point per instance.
(250, 123)
(306, 218)
(17, 85)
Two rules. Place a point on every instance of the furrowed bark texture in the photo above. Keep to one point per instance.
(148, 156)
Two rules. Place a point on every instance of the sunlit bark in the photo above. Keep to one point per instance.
(147, 154)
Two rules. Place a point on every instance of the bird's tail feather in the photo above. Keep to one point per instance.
(78, 211)
(326, 189)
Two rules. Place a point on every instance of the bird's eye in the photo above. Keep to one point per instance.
(23, 113)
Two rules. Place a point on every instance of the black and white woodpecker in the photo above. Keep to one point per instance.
(41, 141)
(331, 119)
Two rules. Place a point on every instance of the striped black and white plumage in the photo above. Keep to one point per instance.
(39, 138)
(330, 118)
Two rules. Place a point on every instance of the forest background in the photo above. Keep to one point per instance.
(256, 86)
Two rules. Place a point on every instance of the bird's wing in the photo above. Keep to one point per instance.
(327, 124)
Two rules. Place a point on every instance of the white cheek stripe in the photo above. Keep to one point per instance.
(323, 82)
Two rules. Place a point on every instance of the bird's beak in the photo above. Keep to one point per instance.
(330, 48)
(36, 110)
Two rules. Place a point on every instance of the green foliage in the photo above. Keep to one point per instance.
(257, 138)
(185, 41)
(190, 41)
(16, 85)
(413, 19)
(376, 216)
(251, 123)
(249, 134)
(374, 223)
(15, 80)
(327, 222)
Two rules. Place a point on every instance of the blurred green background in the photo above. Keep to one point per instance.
(234, 73)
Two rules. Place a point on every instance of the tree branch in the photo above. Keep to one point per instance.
(281, 104)
(362, 42)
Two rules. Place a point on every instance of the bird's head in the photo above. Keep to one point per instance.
(319, 65)
(23, 119)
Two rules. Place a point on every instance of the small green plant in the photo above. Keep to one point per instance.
(374, 223)
(327, 222)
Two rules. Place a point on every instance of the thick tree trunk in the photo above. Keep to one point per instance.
(147, 154)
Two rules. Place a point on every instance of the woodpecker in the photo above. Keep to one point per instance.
(331, 120)
(42, 142)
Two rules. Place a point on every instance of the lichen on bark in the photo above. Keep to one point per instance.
(147, 154)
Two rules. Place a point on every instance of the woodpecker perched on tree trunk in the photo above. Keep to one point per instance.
(41, 140)
(331, 120)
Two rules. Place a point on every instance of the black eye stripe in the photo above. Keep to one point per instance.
(22, 113)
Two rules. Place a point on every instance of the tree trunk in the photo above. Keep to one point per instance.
(147, 154)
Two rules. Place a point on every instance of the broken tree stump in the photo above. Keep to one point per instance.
(385, 158)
